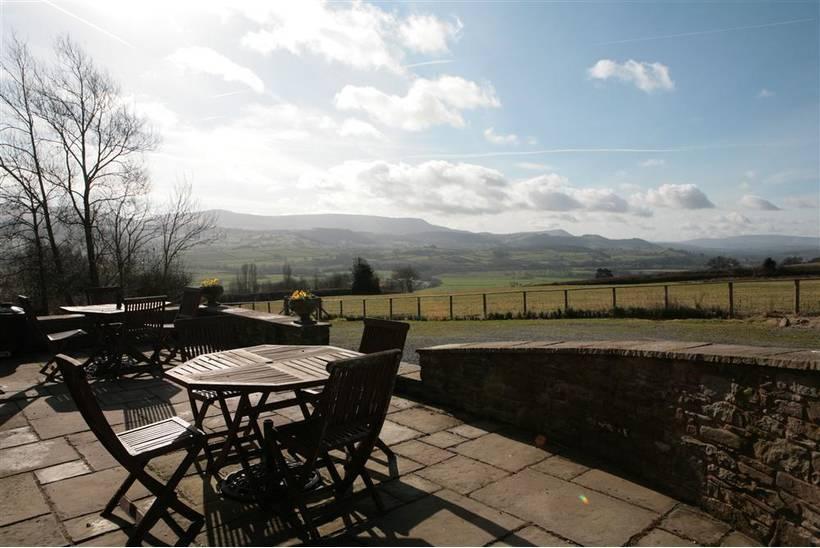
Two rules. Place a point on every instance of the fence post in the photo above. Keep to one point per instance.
(731, 300)
(268, 307)
(484, 304)
(614, 300)
(418, 308)
(341, 308)
(566, 300)
(364, 308)
(390, 308)
(797, 296)
(666, 297)
(524, 294)
(451, 307)
(253, 305)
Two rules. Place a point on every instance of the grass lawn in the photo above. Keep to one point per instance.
(430, 333)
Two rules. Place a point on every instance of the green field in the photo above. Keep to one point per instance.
(422, 334)
(750, 298)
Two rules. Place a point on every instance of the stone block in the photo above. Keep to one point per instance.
(424, 420)
(800, 489)
(422, 452)
(560, 467)
(96, 489)
(62, 471)
(443, 439)
(721, 436)
(532, 536)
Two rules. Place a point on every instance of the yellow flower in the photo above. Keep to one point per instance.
(209, 282)
(301, 294)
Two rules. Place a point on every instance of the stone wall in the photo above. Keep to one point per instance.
(733, 429)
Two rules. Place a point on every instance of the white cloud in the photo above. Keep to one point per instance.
(429, 34)
(435, 186)
(204, 60)
(802, 202)
(427, 102)
(765, 94)
(357, 34)
(439, 187)
(677, 197)
(352, 127)
(500, 139)
(647, 77)
(756, 202)
(653, 162)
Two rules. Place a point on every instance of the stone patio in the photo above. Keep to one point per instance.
(462, 481)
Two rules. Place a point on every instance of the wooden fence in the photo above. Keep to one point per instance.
(730, 298)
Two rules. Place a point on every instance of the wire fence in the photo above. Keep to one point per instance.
(685, 299)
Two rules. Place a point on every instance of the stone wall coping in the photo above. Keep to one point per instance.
(258, 315)
(728, 354)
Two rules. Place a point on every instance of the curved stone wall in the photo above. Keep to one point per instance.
(733, 429)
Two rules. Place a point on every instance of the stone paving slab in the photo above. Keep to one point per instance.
(35, 455)
(424, 419)
(659, 537)
(17, 436)
(625, 490)
(502, 452)
(445, 518)
(560, 467)
(556, 505)
(21, 500)
(422, 452)
(694, 525)
(532, 536)
(63, 471)
(461, 474)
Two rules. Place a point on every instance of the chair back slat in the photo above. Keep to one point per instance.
(358, 393)
(35, 329)
(381, 335)
(144, 316)
(199, 336)
(85, 400)
(189, 304)
(103, 295)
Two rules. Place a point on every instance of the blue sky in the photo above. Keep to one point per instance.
(658, 120)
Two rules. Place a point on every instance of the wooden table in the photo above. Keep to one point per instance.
(265, 369)
(105, 360)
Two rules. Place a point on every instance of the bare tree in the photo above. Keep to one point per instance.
(100, 141)
(22, 162)
(181, 227)
(125, 230)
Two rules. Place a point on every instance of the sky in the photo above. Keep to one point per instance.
(665, 121)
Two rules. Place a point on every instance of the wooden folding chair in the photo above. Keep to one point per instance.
(143, 323)
(378, 336)
(55, 342)
(348, 416)
(133, 449)
(199, 336)
(188, 308)
(103, 295)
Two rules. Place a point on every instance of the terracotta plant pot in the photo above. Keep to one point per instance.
(212, 293)
(304, 308)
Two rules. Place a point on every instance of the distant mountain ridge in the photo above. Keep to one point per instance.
(358, 223)
(363, 231)
(369, 230)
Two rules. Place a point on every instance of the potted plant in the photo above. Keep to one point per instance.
(304, 304)
(211, 289)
